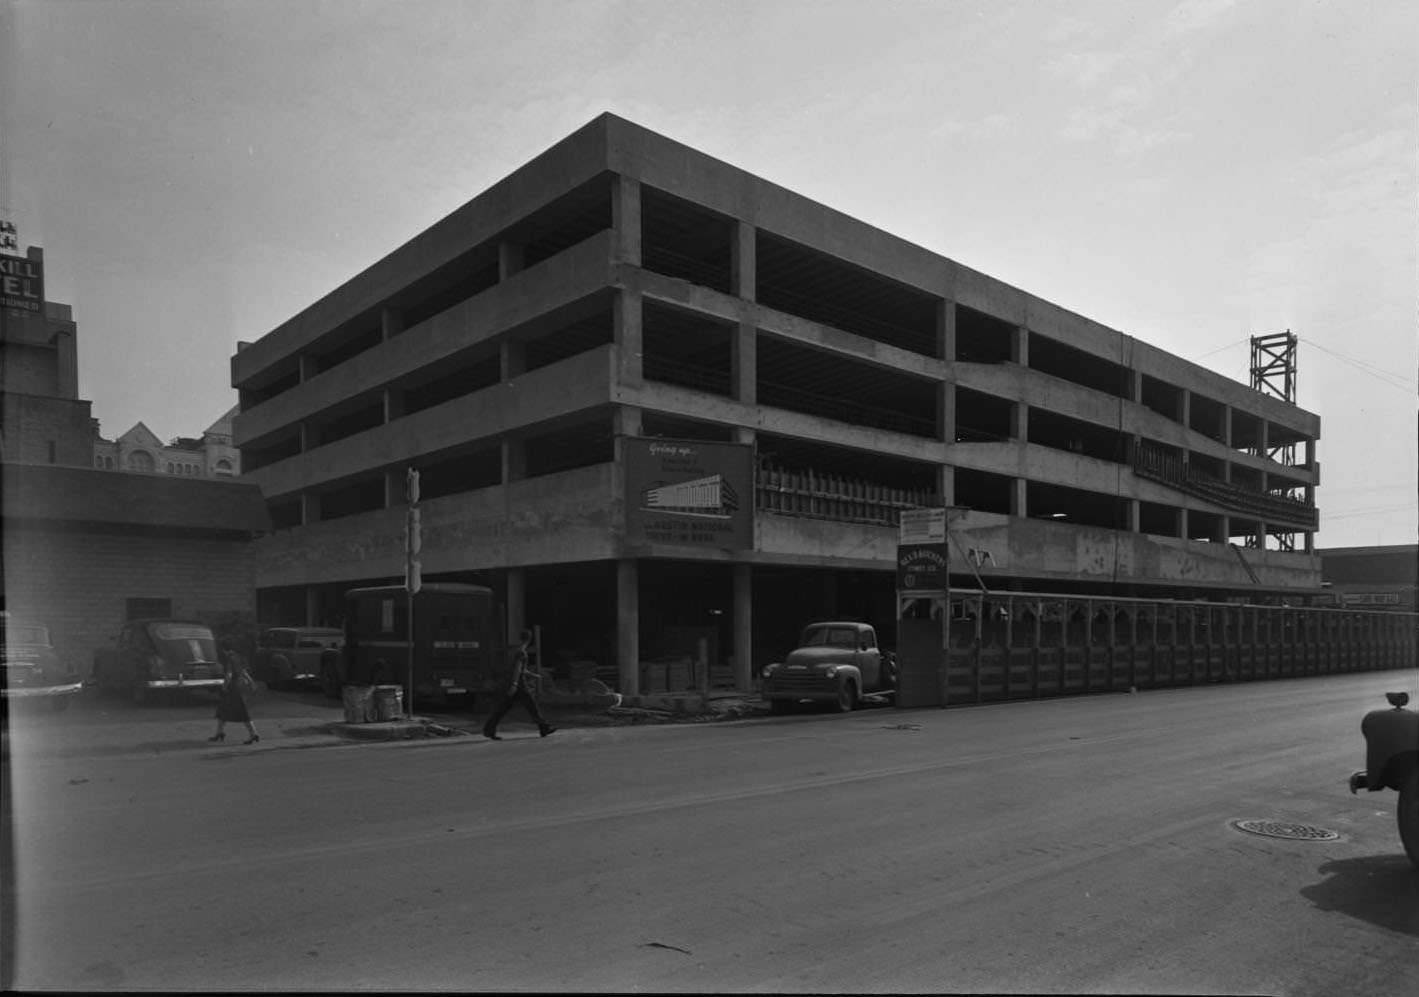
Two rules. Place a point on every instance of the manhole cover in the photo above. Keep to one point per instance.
(1285, 829)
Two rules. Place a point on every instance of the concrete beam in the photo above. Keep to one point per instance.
(628, 638)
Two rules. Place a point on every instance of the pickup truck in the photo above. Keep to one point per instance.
(152, 655)
(32, 669)
(837, 662)
(1392, 762)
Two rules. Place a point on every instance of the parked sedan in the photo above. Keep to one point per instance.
(152, 655)
(32, 667)
(292, 654)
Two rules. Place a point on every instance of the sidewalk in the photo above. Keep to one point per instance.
(112, 728)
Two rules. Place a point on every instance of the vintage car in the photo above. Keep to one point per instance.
(286, 655)
(836, 662)
(32, 667)
(1392, 762)
(153, 655)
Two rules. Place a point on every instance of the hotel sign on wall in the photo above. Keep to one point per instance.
(921, 551)
(21, 284)
(689, 493)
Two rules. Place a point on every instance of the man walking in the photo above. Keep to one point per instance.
(517, 691)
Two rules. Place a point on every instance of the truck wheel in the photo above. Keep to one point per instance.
(779, 706)
(1408, 814)
(847, 697)
(276, 667)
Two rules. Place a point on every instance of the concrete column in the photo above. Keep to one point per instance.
(510, 261)
(310, 508)
(514, 456)
(626, 219)
(312, 607)
(516, 602)
(946, 411)
(1135, 516)
(310, 437)
(946, 330)
(629, 338)
(1020, 422)
(744, 358)
(391, 322)
(1224, 527)
(1135, 386)
(1182, 523)
(393, 404)
(1227, 425)
(396, 484)
(512, 359)
(946, 484)
(628, 627)
(743, 628)
(744, 261)
(1020, 349)
(1185, 417)
(1019, 497)
(626, 421)
(308, 367)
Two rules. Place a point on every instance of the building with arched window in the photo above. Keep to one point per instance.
(84, 548)
(210, 455)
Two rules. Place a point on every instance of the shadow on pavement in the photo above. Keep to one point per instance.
(1380, 889)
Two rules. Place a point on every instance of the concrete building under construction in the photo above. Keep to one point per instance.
(624, 316)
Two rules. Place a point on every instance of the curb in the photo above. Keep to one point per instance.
(395, 730)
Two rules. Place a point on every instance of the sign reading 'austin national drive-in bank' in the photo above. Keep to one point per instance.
(689, 493)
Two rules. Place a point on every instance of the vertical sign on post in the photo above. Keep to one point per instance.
(922, 608)
(413, 543)
(921, 551)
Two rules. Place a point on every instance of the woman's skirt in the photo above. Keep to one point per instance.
(232, 707)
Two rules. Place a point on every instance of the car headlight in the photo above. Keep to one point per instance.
(830, 671)
(770, 669)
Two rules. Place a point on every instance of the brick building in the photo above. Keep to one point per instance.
(656, 401)
(84, 549)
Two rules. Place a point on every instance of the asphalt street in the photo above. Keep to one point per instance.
(1081, 845)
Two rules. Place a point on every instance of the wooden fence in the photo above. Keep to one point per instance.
(1016, 646)
(825, 496)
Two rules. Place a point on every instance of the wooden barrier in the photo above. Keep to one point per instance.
(1008, 646)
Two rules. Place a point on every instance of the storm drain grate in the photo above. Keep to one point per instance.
(1285, 829)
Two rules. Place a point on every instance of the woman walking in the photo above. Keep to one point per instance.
(232, 705)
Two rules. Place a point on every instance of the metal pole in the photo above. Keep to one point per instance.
(409, 672)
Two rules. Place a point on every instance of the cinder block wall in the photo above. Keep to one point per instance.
(78, 583)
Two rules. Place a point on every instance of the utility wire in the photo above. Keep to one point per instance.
(1217, 350)
(1379, 373)
(1378, 511)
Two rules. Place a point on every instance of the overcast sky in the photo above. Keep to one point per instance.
(1191, 174)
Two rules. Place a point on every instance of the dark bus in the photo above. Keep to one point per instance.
(459, 649)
